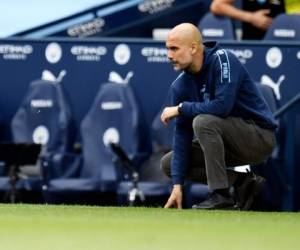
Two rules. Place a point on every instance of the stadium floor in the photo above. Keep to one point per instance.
(43, 227)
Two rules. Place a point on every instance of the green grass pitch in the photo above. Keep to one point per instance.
(43, 227)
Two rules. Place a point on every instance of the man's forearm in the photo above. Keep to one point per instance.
(227, 9)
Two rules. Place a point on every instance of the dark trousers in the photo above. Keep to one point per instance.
(222, 143)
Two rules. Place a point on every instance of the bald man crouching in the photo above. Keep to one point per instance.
(221, 122)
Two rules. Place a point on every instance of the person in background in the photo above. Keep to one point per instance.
(292, 6)
(256, 15)
(221, 121)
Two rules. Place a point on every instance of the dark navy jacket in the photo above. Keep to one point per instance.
(222, 88)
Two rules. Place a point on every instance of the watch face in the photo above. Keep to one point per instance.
(179, 108)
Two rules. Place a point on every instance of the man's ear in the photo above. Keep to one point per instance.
(194, 48)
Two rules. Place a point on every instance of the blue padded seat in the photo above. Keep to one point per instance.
(272, 170)
(215, 27)
(44, 117)
(284, 27)
(155, 186)
(113, 117)
(269, 96)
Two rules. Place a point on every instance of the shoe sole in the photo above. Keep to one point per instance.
(256, 189)
(226, 207)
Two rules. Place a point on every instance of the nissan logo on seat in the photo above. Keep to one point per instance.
(40, 103)
(213, 32)
(284, 33)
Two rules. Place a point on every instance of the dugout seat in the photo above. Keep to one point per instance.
(44, 117)
(215, 27)
(114, 117)
(272, 169)
(284, 27)
(153, 183)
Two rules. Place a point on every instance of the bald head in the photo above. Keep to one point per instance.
(186, 33)
(185, 48)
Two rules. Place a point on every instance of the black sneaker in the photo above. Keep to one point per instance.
(215, 201)
(248, 190)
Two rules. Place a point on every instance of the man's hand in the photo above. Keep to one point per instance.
(168, 114)
(175, 199)
(260, 19)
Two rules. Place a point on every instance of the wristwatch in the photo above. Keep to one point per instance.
(179, 108)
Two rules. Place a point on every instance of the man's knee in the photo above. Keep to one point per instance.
(165, 164)
(205, 121)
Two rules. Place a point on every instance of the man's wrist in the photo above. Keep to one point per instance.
(177, 187)
(249, 17)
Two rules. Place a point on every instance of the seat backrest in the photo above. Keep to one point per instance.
(269, 96)
(284, 27)
(44, 117)
(114, 117)
(217, 28)
(162, 136)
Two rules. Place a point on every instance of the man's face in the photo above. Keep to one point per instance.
(179, 53)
